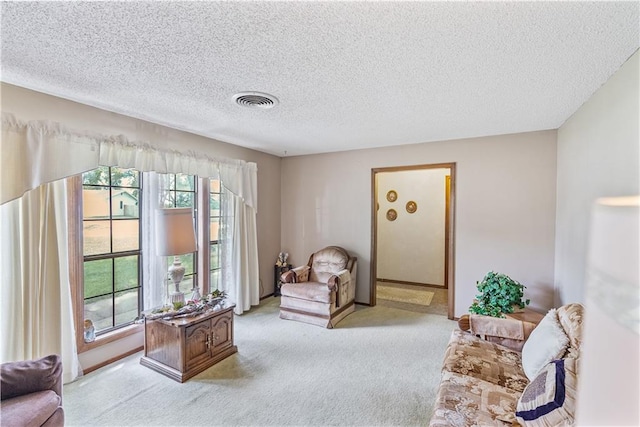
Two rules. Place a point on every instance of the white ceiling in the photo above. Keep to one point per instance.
(348, 75)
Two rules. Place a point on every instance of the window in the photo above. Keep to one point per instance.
(179, 191)
(111, 247)
(214, 233)
(108, 253)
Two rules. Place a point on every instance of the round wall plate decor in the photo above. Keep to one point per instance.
(411, 206)
(392, 214)
(392, 196)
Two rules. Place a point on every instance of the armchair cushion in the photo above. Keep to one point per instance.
(326, 263)
(31, 392)
(309, 291)
(28, 376)
(32, 409)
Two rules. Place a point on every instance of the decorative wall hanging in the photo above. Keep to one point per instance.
(392, 196)
(392, 214)
(411, 206)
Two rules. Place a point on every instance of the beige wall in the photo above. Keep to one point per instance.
(411, 248)
(29, 105)
(505, 207)
(598, 156)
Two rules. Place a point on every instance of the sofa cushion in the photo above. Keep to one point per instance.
(467, 401)
(549, 400)
(570, 317)
(30, 409)
(469, 355)
(547, 342)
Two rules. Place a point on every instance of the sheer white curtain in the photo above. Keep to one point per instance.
(154, 269)
(37, 314)
(35, 153)
(239, 255)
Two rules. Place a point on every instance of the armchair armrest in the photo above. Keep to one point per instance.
(29, 376)
(296, 275)
(510, 333)
(339, 279)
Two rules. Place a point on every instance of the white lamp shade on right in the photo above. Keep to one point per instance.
(175, 234)
(609, 380)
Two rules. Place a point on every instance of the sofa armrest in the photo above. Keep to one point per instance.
(341, 278)
(510, 333)
(29, 376)
(296, 275)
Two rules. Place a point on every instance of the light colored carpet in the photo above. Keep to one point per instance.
(411, 296)
(379, 366)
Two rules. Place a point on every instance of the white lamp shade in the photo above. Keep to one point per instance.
(609, 380)
(175, 234)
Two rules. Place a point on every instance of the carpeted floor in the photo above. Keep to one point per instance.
(379, 366)
(412, 298)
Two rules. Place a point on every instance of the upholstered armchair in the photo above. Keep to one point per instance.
(323, 291)
(32, 393)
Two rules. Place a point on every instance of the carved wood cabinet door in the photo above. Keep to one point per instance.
(222, 328)
(197, 343)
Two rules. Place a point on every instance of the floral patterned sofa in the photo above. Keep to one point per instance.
(507, 372)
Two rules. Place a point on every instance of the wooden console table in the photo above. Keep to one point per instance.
(184, 347)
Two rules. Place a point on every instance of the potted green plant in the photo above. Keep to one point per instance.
(499, 294)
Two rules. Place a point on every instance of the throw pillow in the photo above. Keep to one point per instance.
(547, 342)
(550, 399)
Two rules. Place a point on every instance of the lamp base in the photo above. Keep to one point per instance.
(176, 298)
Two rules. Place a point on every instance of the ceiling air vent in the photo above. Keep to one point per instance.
(255, 100)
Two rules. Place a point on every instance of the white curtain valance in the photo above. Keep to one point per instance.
(37, 152)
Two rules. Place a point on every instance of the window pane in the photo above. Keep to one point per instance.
(126, 273)
(215, 185)
(95, 202)
(183, 199)
(186, 286)
(126, 306)
(214, 205)
(98, 176)
(167, 199)
(100, 311)
(185, 182)
(97, 277)
(215, 257)
(124, 203)
(125, 235)
(124, 177)
(214, 229)
(215, 279)
(97, 239)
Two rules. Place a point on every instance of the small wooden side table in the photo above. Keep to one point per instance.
(184, 347)
(528, 315)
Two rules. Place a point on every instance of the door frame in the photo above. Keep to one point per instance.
(449, 230)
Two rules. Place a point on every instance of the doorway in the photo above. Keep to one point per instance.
(412, 237)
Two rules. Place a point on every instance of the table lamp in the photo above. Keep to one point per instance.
(175, 236)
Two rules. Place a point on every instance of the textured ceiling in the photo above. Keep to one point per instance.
(348, 75)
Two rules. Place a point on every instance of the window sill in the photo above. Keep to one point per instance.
(110, 337)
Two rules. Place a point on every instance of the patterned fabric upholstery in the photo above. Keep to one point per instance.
(482, 382)
(468, 355)
(467, 401)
